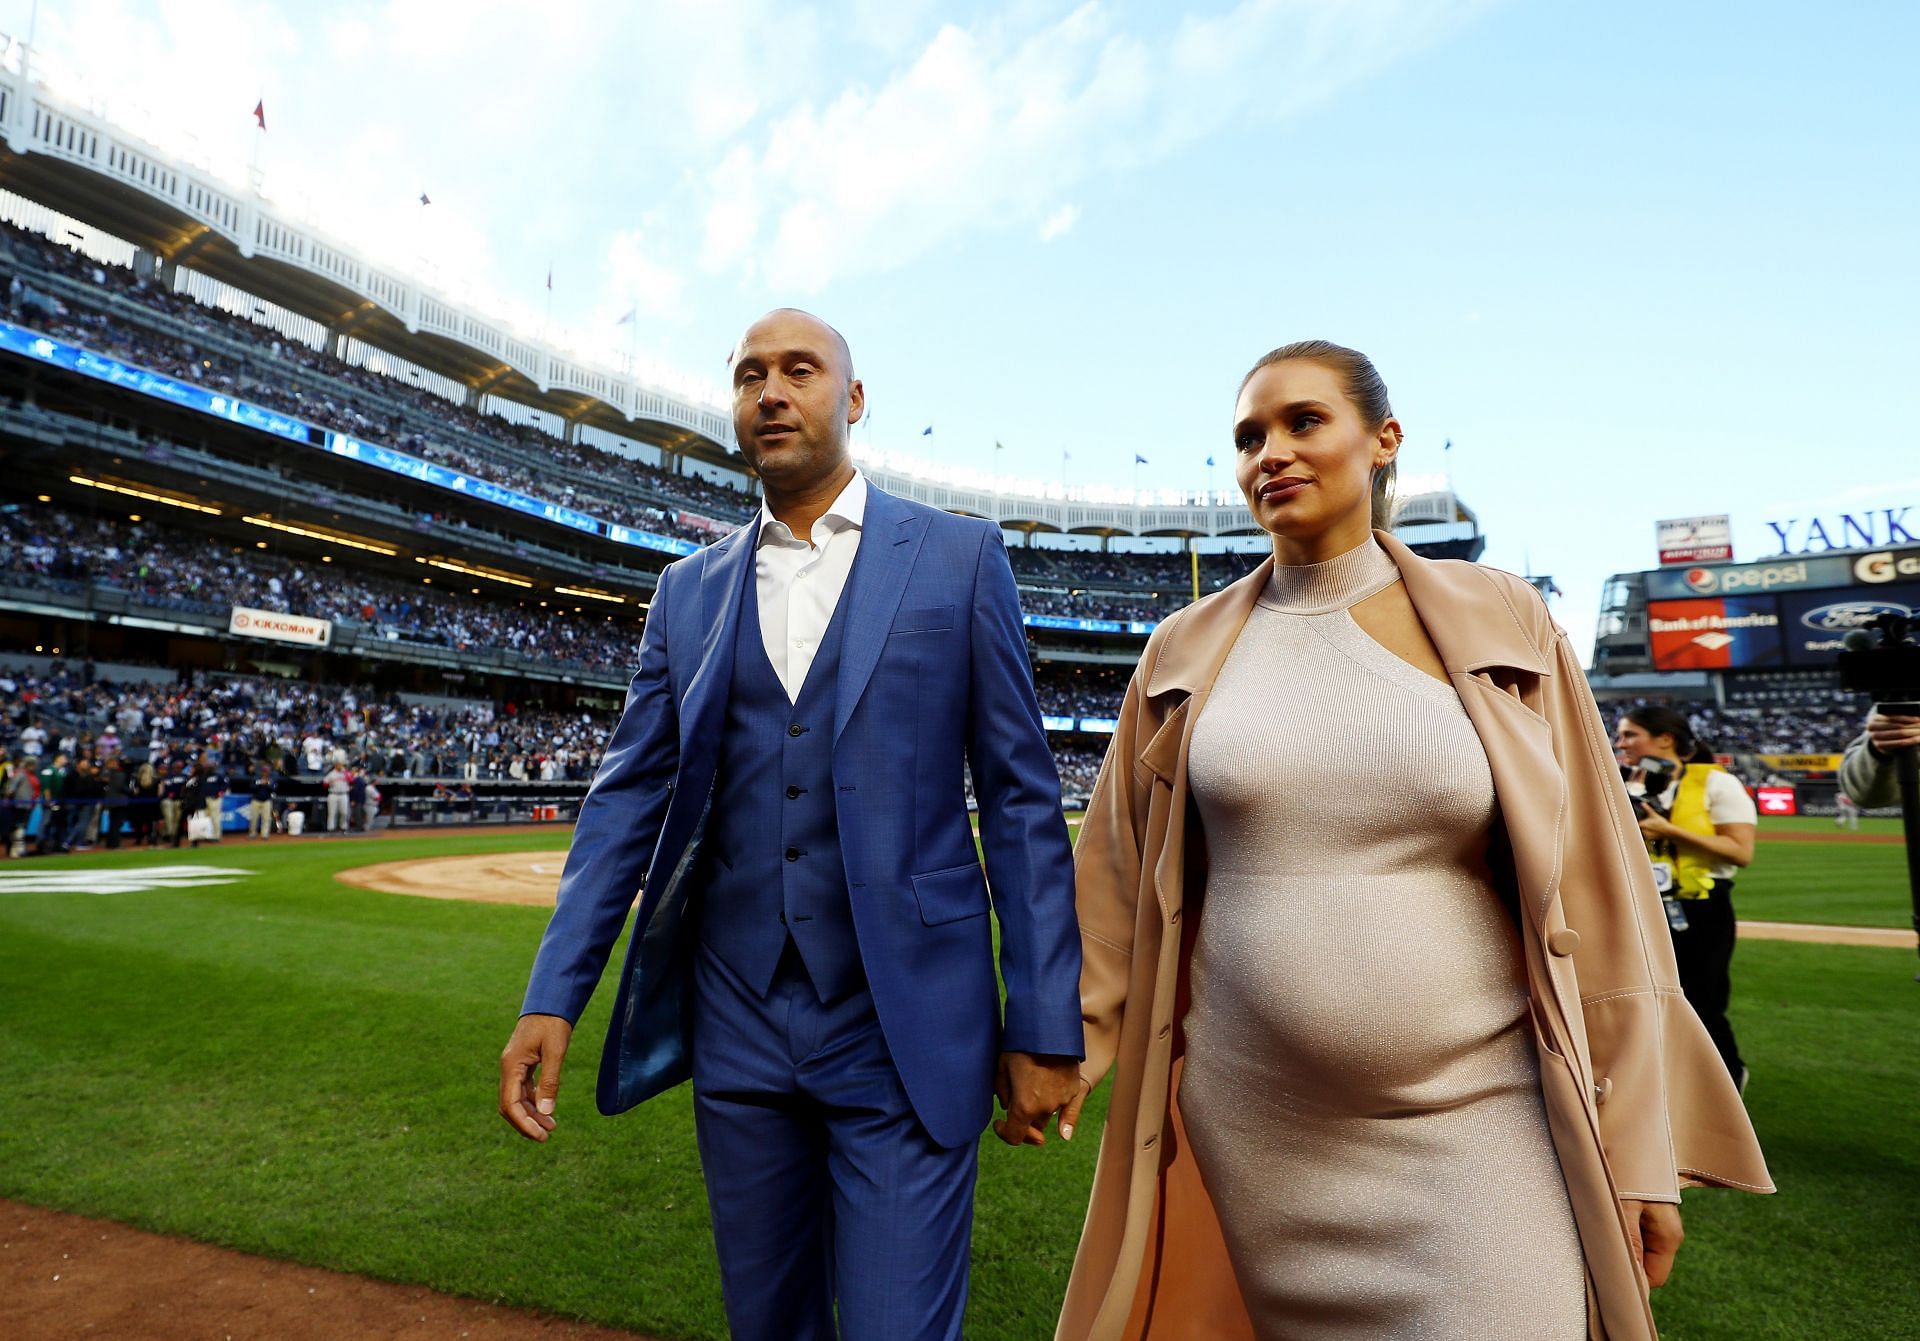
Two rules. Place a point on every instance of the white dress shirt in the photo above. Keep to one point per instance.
(799, 581)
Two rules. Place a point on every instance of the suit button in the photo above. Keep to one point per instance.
(1604, 1090)
(1563, 942)
(792, 792)
(795, 729)
(793, 854)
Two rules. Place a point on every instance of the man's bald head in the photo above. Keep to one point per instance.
(833, 343)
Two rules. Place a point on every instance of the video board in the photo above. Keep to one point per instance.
(1792, 628)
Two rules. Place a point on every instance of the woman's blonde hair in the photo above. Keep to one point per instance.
(1364, 387)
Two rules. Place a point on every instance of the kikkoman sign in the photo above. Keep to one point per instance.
(252, 623)
(1849, 530)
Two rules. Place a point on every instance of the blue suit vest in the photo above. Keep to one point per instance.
(775, 873)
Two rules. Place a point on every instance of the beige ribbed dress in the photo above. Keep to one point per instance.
(1361, 1090)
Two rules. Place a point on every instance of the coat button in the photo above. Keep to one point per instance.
(795, 729)
(793, 854)
(1603, 1090)
(792, 793)
(1563, 942)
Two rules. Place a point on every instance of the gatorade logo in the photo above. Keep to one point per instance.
(1884, 567)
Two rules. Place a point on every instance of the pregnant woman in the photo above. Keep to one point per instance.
(1372, 948)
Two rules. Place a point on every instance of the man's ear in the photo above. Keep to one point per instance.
(856, 401)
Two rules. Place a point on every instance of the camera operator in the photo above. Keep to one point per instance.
(1867, 774)
(1699, 823)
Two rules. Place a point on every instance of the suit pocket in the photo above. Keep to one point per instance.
(951, 895)
(928, 619)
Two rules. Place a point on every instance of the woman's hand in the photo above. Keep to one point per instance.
(1654, 1229)
(1659, 826)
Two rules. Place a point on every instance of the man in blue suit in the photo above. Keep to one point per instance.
(785, 793)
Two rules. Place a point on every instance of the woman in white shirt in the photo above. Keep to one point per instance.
(1699, 825)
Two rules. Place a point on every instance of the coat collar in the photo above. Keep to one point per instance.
(1467, 612)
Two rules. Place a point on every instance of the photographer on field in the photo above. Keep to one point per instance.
(1867, 773)
(1699, 824)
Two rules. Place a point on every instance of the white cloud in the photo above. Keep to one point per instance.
(988, 125)
(639, 281)
(1060, 223)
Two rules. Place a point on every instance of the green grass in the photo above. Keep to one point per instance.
(296, 1068)
(1844, 883)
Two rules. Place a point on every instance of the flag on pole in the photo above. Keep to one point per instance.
(260, 113)
(1139, 460)
(1209, 463)
(633, 312)
(999, 446)
(423, 199)
(1447, 446)
(927, 432)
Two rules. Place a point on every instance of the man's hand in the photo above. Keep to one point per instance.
(1032, 1089)
(1654, 1227)
(538, 1042)
(1890, 734)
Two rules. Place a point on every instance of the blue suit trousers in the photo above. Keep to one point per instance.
(824, 1187)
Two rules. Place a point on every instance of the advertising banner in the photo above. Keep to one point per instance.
(1813, 623)
(1714, 635)
(1776, 801)
(252, 623)
(1800, 763)
(1695, 539)
(1748, 579)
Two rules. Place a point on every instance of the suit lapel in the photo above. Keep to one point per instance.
(889, 543)
(724, 580)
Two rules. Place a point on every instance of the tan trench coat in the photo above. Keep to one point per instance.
(1638, 1101)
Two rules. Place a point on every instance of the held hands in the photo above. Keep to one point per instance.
(1890, 734)
(1032, 1089)
(1654, 1228)
(1657, 826)
(538, 1042)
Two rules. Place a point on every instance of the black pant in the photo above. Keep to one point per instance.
(1704, 952)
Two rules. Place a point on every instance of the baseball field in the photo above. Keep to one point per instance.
(232, 1046)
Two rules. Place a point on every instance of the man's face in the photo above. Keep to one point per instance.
(793, 400)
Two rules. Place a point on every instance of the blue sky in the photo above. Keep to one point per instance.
(1634, 260)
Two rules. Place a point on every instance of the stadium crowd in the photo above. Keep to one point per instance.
(50, 546)
(70, 742)
(426, 425)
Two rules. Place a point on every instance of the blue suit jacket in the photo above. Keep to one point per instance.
(933, 678)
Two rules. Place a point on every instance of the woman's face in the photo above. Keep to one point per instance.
(1633, 743)
(1303, 456)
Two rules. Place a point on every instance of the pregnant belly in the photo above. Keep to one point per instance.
(1356, 993)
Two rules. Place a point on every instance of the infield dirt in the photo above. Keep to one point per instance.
(70, 1277)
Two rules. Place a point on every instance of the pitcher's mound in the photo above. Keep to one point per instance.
(495, 877)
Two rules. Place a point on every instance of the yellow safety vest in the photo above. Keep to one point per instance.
(1682, 871)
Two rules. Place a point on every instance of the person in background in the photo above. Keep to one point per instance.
(115, 787)
(1867, 774)
(172, 787)
(144, 804)
(19, 790)
(215, 783)
(338, 783)
(260, 803)
(371, 802)
(1846, 812)
(53, 808)
(193, 800)
(1699, 825)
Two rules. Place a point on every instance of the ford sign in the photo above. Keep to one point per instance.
(1844, 615)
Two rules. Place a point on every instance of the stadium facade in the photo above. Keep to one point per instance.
(175, 351)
